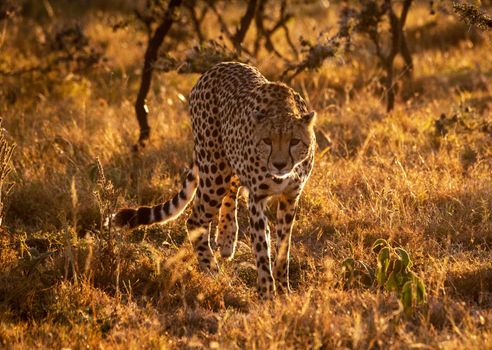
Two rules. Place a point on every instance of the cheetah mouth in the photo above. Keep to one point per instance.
(280, 174)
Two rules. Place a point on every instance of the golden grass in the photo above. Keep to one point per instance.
(389, 176)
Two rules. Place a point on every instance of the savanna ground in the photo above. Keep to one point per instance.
(392, 176)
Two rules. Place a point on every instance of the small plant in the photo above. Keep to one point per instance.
(394, 274)
(106, 197)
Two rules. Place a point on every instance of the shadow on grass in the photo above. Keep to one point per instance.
(472, 285)
(436, 36)
(443, 85)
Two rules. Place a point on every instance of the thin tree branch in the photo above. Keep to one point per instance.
(197, 21)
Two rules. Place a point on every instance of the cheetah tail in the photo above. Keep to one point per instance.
(163, 212)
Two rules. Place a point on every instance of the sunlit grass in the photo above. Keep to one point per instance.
(391, 176)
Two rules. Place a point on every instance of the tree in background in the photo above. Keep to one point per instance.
(151, 55)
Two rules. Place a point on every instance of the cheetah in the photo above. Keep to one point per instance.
(252, 133)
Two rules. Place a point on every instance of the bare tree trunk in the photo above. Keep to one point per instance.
(266, 34)
(398, 45)
(151, 53)
(260, 29)
(246, 20)
(238, 37)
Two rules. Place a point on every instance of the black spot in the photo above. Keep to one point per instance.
(282, 206)
(206, 197)
(182, 194)
(220, 191)
(201, 248)
(218, 180)
(288, 218)
(213, 168)
(263, 187)
(258, 247)
(260, 198)
(175, 200)
(261, 224)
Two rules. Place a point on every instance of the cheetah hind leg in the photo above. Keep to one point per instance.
(227, 227)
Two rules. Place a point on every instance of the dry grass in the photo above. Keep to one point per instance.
(391, 176)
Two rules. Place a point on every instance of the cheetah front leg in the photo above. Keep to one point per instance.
(260, 237)
(286, 211)
(227, 227)
(205, 208)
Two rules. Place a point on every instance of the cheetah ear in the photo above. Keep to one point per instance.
(309, 119)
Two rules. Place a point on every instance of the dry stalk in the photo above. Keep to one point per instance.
(6, 151)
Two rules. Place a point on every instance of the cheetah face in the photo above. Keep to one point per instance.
(282, 146)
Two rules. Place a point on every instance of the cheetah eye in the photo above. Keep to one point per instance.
(294, 142)
(267, 141)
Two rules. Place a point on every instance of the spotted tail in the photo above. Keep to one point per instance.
(163, 212)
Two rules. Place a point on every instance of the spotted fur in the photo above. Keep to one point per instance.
(247, 132)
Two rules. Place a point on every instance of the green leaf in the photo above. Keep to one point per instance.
(397, 266)
(405, 258)
(391, 284)
(383, 263)
(421, 294)
(407, 296)
(384, 258)
(379, 244)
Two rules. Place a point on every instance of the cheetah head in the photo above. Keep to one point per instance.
(283, 143)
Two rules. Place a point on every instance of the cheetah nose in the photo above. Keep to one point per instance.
(279, 166)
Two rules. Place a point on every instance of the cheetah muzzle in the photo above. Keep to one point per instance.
(248, 132)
